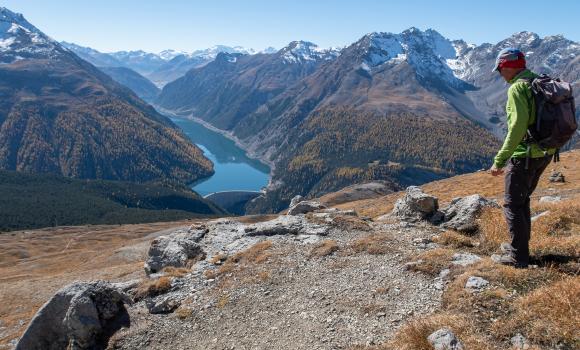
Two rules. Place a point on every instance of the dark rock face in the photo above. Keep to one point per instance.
(80, 316)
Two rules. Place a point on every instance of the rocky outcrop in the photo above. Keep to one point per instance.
(461, 213)
(286, 225)
(304, 207)
(415, 205)
(79, 316)
(175, 250)
(444, 339)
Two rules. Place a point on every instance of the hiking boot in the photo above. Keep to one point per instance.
(509, 260)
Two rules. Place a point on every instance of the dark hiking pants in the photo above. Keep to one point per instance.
(519, 185)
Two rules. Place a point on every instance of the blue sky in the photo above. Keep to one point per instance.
(111, 25)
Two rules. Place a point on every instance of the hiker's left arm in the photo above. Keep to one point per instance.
(518, 115)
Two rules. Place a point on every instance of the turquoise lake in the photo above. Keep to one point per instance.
(234, 170)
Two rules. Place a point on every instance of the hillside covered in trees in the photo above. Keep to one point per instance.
(339, 147)
(32, 201)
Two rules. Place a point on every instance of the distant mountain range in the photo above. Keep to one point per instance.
(61, 115)
(404, 107)
(160, 68)
(327, 119)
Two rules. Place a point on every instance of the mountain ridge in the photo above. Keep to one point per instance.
(60, 114)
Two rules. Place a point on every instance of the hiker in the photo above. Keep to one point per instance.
(523, 166)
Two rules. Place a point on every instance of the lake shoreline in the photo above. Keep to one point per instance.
(227, 134)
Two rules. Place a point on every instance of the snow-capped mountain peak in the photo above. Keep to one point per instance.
(19, 39)
(431, 55)
(303, 51)
(168, 55)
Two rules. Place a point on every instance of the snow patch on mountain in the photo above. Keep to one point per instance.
(19, 39)
(304, 51)
(433, 56)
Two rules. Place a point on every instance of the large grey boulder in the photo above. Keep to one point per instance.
(295, 200)
(304, 207)
(462, 213)
(175, 250)
(415, 205)
(77, 317)
(286, 225)
(444, 339)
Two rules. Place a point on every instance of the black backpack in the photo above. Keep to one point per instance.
(555, 113)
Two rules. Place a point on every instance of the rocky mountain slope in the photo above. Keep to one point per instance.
(59, 114)
(240, 83)
(140, 85)
(343, 277)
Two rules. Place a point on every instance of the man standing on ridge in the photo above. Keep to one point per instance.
(524, 161)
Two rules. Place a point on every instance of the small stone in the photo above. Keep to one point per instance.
(476, 283)
(557, 176)
(444, 339)
(519, 342)
(464, 259)
(163, 306)
(550, 199)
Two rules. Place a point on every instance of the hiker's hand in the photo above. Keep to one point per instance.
(495, 171)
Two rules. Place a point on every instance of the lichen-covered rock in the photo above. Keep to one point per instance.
(76, 317)
(175, 250)
(415, 205)
(461, 214)
(304, 207)
(444, 339)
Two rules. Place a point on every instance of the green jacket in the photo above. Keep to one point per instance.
(521, 112)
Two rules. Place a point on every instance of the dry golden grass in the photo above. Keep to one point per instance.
(375, 244)
(454, 239)
(151, 288)
(34, 264)
(413, 335)
(253, 219)
(432, 261)
(479, 182)
(548, 316)
(178, 272)
(218, 259)
(243, 267)
(351, 223)
(324, 248)
(557, 233)
(183, 312)
(223, 301)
